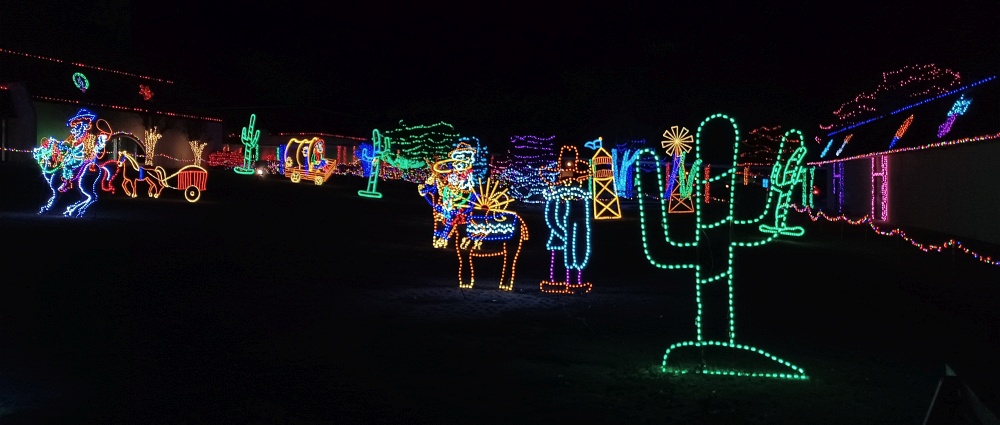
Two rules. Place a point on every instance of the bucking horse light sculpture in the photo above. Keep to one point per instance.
(76, 161)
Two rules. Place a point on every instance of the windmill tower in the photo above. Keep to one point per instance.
(678, 142)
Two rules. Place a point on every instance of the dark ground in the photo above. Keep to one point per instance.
(271, 302)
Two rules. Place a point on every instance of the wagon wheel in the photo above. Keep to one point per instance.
(296, 177)
(192, 193)
(318, 180)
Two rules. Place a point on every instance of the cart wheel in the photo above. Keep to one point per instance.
(296, 177)
(192, 193)
(318, 180)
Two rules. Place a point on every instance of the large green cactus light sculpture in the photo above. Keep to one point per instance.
(720, 354)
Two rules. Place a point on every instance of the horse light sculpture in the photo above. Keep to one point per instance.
(192, 179)
(721, 231)
(133, 173)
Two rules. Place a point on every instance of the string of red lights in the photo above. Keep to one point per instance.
(83, 65)
(925, 247)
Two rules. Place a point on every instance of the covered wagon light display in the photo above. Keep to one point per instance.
(305, 159)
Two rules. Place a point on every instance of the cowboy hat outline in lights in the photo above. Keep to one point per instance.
(568, 171)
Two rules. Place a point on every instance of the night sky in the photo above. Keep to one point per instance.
(621, 70)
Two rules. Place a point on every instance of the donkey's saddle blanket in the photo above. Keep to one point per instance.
(492, 226)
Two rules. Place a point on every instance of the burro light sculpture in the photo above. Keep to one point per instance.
(714, 349)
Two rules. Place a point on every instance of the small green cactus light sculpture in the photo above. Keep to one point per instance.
(249, 136)
(380, 146)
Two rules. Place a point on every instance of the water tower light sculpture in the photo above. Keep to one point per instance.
(605, 193)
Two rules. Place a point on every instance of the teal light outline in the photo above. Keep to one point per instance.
(251, 150)
(726, 224)
(784, 181)
(83, 83)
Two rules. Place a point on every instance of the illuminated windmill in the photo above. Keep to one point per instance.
(606, 204)
(678, 143)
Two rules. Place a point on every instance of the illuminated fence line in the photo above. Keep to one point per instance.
(951, 243)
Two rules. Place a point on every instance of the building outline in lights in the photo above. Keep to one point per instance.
(880, 188)
(909, 186)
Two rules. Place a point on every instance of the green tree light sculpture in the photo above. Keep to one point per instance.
(249, 136)
(715, 350)
(414, 144)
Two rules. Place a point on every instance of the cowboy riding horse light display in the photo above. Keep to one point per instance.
(476, 221)
(74, 161)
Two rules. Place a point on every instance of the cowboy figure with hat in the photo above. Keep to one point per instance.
(567, 213)
(448, 189)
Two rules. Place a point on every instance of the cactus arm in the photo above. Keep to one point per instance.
(249, 135)
(663, 212)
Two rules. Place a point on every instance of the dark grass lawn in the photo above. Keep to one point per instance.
(274, 302)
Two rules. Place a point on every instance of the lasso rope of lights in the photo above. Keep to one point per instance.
(951, 243)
